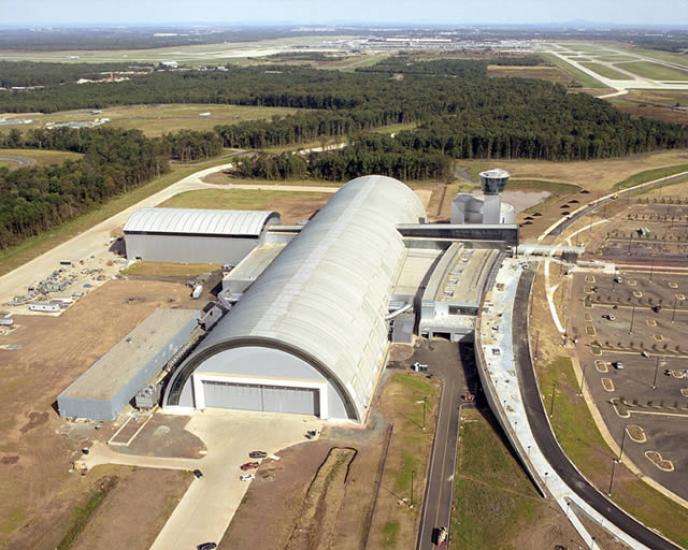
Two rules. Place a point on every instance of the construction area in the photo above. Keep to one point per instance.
(113, 373)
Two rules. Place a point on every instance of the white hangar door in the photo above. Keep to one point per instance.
(260, 397)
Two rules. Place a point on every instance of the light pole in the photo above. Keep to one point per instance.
(616, 461)
(630, 328)
(413, 473)
(654, 382)
(585, 366)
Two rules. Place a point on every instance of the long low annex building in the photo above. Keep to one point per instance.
(112, 381)
(309, 335)
(195, 235)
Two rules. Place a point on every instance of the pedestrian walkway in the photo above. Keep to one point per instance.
(497, 347)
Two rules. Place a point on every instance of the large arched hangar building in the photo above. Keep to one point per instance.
(309, 336)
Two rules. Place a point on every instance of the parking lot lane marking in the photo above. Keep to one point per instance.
(607, 384)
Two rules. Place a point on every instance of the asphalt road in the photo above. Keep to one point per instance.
(547, 441)
(559, 229)
(445, 363)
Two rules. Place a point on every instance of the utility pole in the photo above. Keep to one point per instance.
(554, 393)
(425, 404)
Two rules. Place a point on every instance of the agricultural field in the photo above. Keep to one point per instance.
(16, 158)
(155, 120)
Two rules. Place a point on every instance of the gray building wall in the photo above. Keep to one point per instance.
(189, 248)
(72, 405)
(262, 362)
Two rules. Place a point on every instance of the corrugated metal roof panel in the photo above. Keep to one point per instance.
(198, 221)
(328, 291)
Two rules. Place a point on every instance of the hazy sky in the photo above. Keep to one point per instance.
(31, 12)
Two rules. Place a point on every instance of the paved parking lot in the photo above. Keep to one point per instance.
(615, 322)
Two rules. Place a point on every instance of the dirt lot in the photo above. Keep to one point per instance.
(135, 510)
(292, 480)
(52, 352)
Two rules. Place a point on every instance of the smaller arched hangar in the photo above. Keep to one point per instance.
(195, 235)
(310, 336)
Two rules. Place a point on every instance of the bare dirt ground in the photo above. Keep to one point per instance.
(38, 493)
(135, 510)
(273, 509)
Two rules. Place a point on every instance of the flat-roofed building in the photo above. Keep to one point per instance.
(112, 381)
(452, 297)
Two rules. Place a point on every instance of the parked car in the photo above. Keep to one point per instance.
(247, 477)
(420, 367)
(257, 454)
(198, 474)
(311, 434)
(207, 546)
(249, 466)
(618, 365)
(609, 317)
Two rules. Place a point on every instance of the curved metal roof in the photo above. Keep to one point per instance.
(198, 221)
(328, 292)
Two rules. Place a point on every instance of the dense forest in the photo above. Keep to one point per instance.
(34, 199)
(457, 112)
(27, 73)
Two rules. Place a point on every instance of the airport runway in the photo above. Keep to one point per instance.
(537, 417)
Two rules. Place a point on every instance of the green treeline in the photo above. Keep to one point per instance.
(374, 154)
(34, 199)
(28, 73)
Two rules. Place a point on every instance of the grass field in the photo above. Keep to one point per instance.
(542, 72)
(650, 175)
(20, 157)
(488, 478)
(202, 54)
(604, 70)
(167, 269)
(671, 57)
(582, 78)
(15, 256)
(653, 71)
(155, 120)
(599, 175)
(294, 207)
